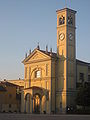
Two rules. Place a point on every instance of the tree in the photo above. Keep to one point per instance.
(83, 95)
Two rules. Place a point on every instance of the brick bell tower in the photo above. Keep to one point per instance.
(66, 52)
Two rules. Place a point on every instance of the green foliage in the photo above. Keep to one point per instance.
(83, 95)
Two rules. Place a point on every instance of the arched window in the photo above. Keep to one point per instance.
(37, 74)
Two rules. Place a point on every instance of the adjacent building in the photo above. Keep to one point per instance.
(10, 97)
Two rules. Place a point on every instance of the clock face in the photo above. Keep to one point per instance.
(61, 36)
(71, 36)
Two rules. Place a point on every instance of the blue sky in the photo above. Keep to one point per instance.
(24, 23)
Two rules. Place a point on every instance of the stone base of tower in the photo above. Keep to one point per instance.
(71, 102)
(60, 102)
(65, 102)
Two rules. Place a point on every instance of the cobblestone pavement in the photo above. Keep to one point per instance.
(43, 117)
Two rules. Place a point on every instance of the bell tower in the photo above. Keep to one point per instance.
(66, 52)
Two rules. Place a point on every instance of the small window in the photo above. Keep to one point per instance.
(9, 105)
(81, 77)
(37, 74)
(88, 77)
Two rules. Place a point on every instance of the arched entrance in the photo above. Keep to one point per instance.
(36, 100)
(37, 103)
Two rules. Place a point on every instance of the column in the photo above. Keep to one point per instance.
(49, 102)
(22, 101)
(24, 105)
(40, 105)
(31, 104)
(45, 101)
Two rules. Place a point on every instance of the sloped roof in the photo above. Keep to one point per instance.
(53, 55)
(19, 82)
(50, 54)
(8, 84)
(82, 62)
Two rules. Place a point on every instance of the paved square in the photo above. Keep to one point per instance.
(43, 117)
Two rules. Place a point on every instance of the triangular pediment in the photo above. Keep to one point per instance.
(36, 55)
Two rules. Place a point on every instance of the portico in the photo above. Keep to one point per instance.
(36, 100)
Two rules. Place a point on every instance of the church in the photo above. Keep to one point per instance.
(51, 79)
